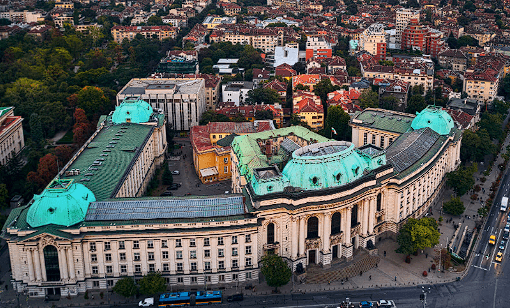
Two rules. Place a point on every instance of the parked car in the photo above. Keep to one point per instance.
(174, 186)
(507, 228)
(235, 298)
(365, 304)
(146, 302)
(506, 235)
(502, 245)
(175, 172)
(499, 256)
(167, 194)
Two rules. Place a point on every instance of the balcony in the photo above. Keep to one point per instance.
(336, 239)
(313, 243)
(271, 246)
(356, 230)
(379, 213)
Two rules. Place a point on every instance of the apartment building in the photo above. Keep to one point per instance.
(120, 33)
(373, 40)
(318, 46)
(11, 134)
(403, 16)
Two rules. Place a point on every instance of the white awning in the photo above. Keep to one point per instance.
(208, 172)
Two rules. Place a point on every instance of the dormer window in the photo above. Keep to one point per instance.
(315, 180)
(338, 177)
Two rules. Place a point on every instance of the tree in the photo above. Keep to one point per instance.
(154, 20)
(125, 286)
(369, 99)
(36, 129)
(417, 234)
(4, 196)
(416, 104)
(262, 96)
(64, 154)
(93, 101)
(276, 271)
(46, 170)
(454, 206)
(492, 123)
(167, 177)
(213, 116)
(475, 145)
(338, 119)
(322, 88)
(82, 127)
(264, 115)
(466, 40)
(461, 180)
(389, 103)
(152, 283)
(295, 120)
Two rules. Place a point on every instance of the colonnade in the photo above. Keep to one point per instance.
(37, 266)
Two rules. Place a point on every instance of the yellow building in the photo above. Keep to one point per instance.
(310, 113)
(211, 147)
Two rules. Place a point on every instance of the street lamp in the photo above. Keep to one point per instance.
(107, 292)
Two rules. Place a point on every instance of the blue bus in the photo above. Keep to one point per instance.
(208, 297)
(174, 299)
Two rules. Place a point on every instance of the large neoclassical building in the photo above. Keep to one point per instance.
(295, 193)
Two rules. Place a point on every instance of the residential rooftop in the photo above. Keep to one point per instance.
(139, 86)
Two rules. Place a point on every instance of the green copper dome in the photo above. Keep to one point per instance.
(132, 110)
(435, 118)
(62, 203)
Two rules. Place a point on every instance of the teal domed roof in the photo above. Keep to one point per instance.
(435, 118)
(62, 203)
(328, 164)
(132, 111)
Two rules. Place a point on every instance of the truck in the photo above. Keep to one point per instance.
(504, 204)
(149, 301)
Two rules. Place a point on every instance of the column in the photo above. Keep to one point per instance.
(70, 261)
(327, 232)
(30, 265)
(371, 215)
(364, 223)
(63, 263)
(347, 235)
(43, 266)
(295, 238)
(37, 259)
(302, 236)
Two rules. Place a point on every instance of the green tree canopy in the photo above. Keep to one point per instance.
(213, 116)
(389, 103)
(492, 123)
(93, 100)
(262, 95)
(454, 206)
(167, 177)
(416, 104)
(322, 88)
(338, 119)
(275, 270)
(417, 234)
(125, 286)
(264, 115)
(475, 145)
(466, 40)
(154, 20)
(369, 99)
(461, 180)
(4, 196)
(152, 283)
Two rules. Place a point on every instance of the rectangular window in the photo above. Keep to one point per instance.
(106, 245)
(221, 264)
(93, 246)
(164, 244)
(207, 265)
(390, 141)
(136, 245)
(165, 254)
(166, 267)
(193, 254)
(234, 240)
(193, 279)
(122, 256)
(150, 244)
(180, 280)
(381, 143)
(365, 136)
(109, 269)
(248, 261)
(150, 256)
(248, 250)
(207, 253)
(193, 266)
(95, 284)
(221, 278)
(373, 139)
(225, 169)
(235, 263)
(122, 245)
(235, 277)
(178, 243)
(248, 238)
(248, 275)
(234, 251)
(95, 271)
(138, 268)
(108, 257)
(225, 160)
(123, 268)
(152, 268)
(178, 254)
(192, 243)
(137, 256)
(179, 266)
(221, 253)
(93, 258)
(220, 241)
(206, 241)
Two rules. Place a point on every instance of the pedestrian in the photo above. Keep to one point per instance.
(426, 255)
(370, 277)
(395, 278)
(6, 287)
(385, 253)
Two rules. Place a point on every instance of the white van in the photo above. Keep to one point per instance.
(146, 302)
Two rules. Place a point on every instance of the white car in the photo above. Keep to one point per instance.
(507, 228)
(146, 302)
(176, 172)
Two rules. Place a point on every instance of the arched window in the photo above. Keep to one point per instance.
(270, 233)
(354, 216)
(51, 263)
(379, 202)
(336, 223)
(313, 227)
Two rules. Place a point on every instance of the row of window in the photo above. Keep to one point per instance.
(164, 255)
(178, 242)
(179, 266)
